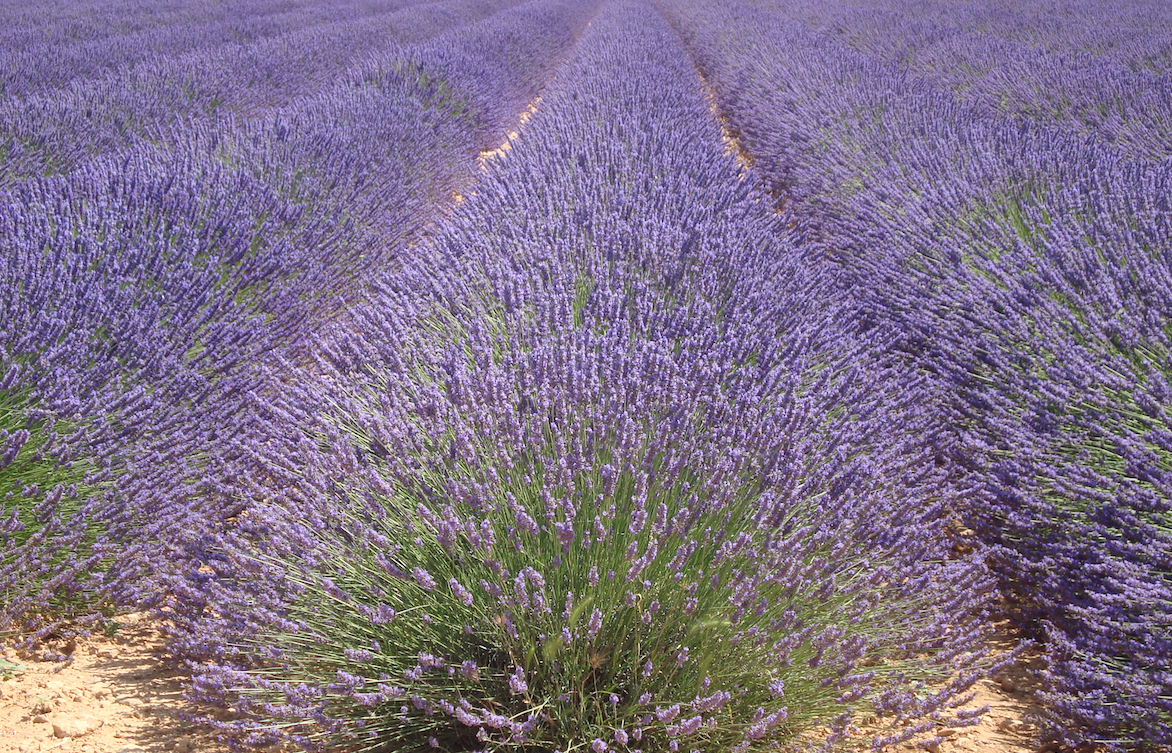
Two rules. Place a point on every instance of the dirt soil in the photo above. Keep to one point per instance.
(1006, 727)
(113, 695)
(116, 695)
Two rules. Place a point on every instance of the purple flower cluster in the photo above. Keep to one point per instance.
(55, 42)
(56, 129)
(612, 446)
(482, 374)
(145, 291)
(1087, 69)
(1026, 270)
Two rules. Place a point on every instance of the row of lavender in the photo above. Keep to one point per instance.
(156, 100)
(50, 44)
(143, 292)
(1028, 270)
(606, 463)
(599, 323)
(1094, 68)
(1131, 34)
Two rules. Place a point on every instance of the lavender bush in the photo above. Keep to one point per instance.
(41, 487)
(1063, 406)
(1132, 35)
(49, 45)
(54, 131)
(1022, 264)
(603, 470)
(143, 293)
(1010, 60)
(616, 441)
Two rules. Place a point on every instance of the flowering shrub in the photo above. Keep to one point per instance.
(632, 617)
(1017, 261)
(141, 290)
(1093, 69)
(41, 491)
(606, 472)
(600, 446)
(49, 46)
(56, 130)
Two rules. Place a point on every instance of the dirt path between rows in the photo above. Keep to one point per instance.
(114, 695)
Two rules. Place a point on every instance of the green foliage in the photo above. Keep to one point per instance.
(669, 630)
(34, 466)
(9, 669)
(42, 491)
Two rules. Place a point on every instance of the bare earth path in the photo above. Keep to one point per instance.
(115, 695)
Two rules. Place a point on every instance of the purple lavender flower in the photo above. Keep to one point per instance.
(423, 578)
(517, 684)
(595, 624)
(616, 320)
(461, 593)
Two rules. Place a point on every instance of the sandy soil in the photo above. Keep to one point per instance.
(1007, 726)
(116, 695)
(487, 157)
(113, 695)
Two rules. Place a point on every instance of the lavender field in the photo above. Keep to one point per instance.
(595, 375)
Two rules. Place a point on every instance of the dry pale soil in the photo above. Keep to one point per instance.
(116, 694)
